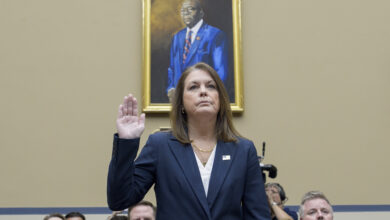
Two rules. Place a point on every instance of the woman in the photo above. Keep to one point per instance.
(202, 169)
(276, 199)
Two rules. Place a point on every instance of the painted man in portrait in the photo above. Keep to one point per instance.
(197, 42)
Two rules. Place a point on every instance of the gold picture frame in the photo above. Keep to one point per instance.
(158, 31)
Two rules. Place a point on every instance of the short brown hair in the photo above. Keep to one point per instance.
(224, 125)
(58, 215)
(74, 214)
(143, 203)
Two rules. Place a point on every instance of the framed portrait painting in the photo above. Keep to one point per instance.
(180, 33)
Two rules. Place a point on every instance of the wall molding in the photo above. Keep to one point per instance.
(105, 210)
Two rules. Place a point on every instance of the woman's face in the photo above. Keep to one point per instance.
(200, 94)
(274, 194)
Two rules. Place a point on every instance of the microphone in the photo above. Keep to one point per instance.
(271, 169)
(263, 149)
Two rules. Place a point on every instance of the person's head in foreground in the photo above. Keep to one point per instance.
(144, 210)
(74, 216)
(276, 192)
(54, 216)
(315, 206)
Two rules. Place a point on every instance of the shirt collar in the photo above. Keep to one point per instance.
(195, 28)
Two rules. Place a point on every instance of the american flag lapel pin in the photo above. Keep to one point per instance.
(225, 157)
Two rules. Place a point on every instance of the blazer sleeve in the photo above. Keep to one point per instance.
(172, 64)
(254, 202)
(128, 181)
(219, 55)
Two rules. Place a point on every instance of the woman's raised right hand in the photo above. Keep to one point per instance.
(129, 125)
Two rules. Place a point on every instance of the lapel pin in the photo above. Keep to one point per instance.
(225, 157)
(198, 38)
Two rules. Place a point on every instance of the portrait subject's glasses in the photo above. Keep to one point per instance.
(188, 10)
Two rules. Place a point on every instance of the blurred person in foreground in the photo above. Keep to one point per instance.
(118, 215)
(54, 216)
(315, 206)
(277, 198)
(143, 210)
(74, 216)
(202, 168)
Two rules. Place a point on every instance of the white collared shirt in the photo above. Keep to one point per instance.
(205, 171)
(194, 30)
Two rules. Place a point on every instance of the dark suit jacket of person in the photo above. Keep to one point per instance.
(236, 189)
(209, 47)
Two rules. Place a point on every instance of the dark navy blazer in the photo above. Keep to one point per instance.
(236, 189)
(209, 46)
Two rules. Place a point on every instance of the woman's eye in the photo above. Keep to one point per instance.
(192, 87)
(211, 86)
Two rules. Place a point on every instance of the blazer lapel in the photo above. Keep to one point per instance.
(186, 159)
(182, 39)
(198, 38)
(224, 157)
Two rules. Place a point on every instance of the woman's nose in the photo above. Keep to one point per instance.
(203, 90)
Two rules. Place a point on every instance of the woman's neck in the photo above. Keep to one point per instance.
(202, 129)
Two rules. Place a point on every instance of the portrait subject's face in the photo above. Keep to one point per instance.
(317, 209)
(191, 13)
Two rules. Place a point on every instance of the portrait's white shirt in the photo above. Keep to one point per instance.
(194, 30)
(205, 171)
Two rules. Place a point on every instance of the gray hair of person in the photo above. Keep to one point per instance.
(310, 196)
(143, 203)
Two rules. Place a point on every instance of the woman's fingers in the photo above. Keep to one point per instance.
(125, 105)
(135, 107)
(129, 106)
(129, 124)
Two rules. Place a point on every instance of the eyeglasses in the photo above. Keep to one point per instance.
(188, 10)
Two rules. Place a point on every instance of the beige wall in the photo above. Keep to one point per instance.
(316, 76)
(337, 215)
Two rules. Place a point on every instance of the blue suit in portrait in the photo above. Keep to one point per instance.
(209, 47)
(236, 188)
